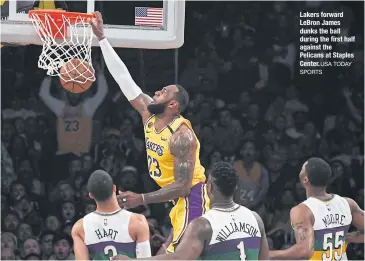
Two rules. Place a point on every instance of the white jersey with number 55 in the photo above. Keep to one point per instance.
(332, 221)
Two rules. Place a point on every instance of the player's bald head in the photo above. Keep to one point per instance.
(182, 97)
(318, 172)
(100, 185)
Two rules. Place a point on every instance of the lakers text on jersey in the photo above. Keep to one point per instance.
(160, 160)
(332, 222)
(236, 235)
(107, 235)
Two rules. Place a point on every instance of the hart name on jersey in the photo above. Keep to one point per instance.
(110, 233)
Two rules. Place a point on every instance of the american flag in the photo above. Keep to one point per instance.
(148, 16)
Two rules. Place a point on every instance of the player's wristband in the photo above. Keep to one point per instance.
(143, 199)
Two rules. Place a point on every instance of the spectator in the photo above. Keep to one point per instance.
(9, 241)
(30, 246)
(110, 156)
(66, 190)
(89, 207)
(53, 223)
(68, 212)
(11, 222)
(24, 232)
(224, 137)
(253, 177)
(46, 244)
(7, 254)
(62, 247)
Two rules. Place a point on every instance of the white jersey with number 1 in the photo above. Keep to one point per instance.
(235, 234)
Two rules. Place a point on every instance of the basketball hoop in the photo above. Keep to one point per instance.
(65, 36)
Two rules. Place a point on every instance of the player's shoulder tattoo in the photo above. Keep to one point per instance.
(302, 224)
(182, 146)
(182, 142)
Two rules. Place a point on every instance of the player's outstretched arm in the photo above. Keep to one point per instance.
(192, 242)
(80, 249)
(357, 221)
(183, 147)
(264, 249)
(119, 71)
(140, 232)
(302, 221)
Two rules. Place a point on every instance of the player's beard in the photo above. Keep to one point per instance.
(157, 108)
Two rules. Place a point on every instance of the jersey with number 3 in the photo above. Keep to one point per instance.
(235, 235)
(160, 160)
(332, 221)
(107, 235)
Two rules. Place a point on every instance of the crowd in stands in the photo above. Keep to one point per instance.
(249, 106)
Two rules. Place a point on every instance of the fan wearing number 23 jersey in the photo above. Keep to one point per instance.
(321, 222)
(110, 230)
(74, 115)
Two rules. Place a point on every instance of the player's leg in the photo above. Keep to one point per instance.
(186, 210)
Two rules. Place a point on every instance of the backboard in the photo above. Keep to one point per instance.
(120, 19)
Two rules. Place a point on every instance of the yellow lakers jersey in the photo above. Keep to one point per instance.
(160, 160)
(74, 130)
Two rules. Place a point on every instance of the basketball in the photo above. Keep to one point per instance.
(77, 76)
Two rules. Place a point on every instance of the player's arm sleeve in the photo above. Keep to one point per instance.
(264, 248)
(357, 221)
(119, 71)
(302, 221)
(183, 147)
(121, 75)
(54, 104)
(92, 104)
(80, 249)
(143, 249)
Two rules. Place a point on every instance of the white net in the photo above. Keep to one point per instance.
(65, 38)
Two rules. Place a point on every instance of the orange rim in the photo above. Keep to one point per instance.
(56, 28)
(57, 14)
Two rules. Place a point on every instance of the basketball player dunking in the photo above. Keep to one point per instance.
(109, 230)
(172, 147)
(321, 223)
(227, 231)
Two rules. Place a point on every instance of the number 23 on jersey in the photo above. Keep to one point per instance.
(154, 167)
